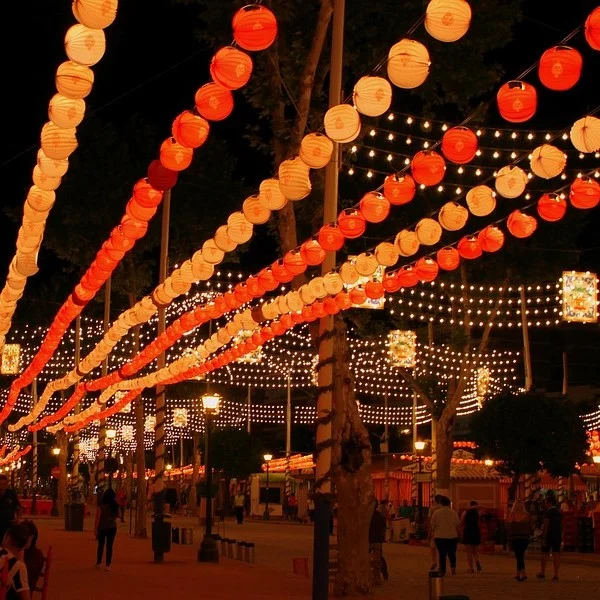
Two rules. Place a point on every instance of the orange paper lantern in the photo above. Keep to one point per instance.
(145, 195)
(560, 68)
(448, 258)
(517, 101)
(294, 179)
(491, 239)
(95, 14)
(214, 102)
(374, 207)
(190, 130)
(50, 166)
(174, 156)
(66, 112)
(85, 46)
(428, 231)
(161, 178)
(585, 193)
(312, 253)
(294, 262)
(551, 207)
(469, 248)
(453, 216)
(73, 80)
(399, 189)
(255, 211)
(358, 295)
(391, 283)
(281, 272)
(316, 150)
(592, 29)
(351, 223)
(372, 96)
(447, 20)
(459, 145)
(520, 224)
(407, 277)
(254, 27)
(408, 64)
(231, 68)
(374, 290)
(481, 200)
(331, 238)
(342, 123)
(426, 269)
(58, 143)
(428, 167)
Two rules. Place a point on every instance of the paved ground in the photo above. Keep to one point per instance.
(135, 576)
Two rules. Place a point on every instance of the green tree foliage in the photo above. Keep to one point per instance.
(235, 452)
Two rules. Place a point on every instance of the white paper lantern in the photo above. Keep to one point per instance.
(294, 179)
(85, 46)
(511, 181)
(407, 243)
(372, 96)
(342, 123)
(481, 200)
(585, 134)
(239, 229)
(316, 150)
(366, 264)
(255, 211)
(73, 80)
(408, 64)
(95, 14)
(453, 216)
(66, 112)
(386, 254)
(447, 20)
(51, 167)
(548, 161)
(348, 273)
(45, 182)
(428, 232)
(58, 143)
(211, 253)
(223, 241)
(270, 194)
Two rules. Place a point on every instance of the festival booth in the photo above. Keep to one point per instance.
(259, 492)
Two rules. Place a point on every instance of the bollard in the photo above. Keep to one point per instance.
(246, 552)
(240, 550)
(436, 585)
(250, 551)
(224, 542)
(187, 536)
(230, 546)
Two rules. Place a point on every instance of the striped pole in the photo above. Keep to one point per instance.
(561, 489)
(34, 465)
(100, 474)
(528, 487)
(76, 439)
(288, 438)
(434, 464)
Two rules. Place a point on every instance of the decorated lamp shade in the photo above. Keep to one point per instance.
(520, 224)
(408, 64)
(174, 156)
(342, 123)
(316, 150)
(448, 258)
(74, 80)
(426, 269)
(66, 112)
(190, 130)
(551, 207)
(399, 189)
(560, 68)
(386, 254)
(511, 181)
(348, 273)
(331, 238)
(375, 207)
(372, 96)
(548, 161)
(366, 264)
(312, 252)
(469, 248)
(271, 195)
(491, 239)
(223, 241)
(407, 277)
(214, 102)
(95, 14)
(517, 101)
(231, 68)
(407, 242)
(585, 134)
(58, 143)
(294, 262)
(459, 145)
(160, 177)
(85, 46)
(428, 167)
(43, 181)
(145, 195)
(294, 179)
(51, 167)
(254, 27)
(481, 200)
(592, 29)
(447, 20)
(239, 228)
(351, 223)
(255, 210)
(453, 216)
(585, 193)
(428, 232)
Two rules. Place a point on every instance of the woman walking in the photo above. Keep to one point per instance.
(519, 525)
(106, 526)
(445, 523)
(472, 535)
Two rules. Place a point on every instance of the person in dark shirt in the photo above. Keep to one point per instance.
(551, 537)
(377, 529)
(32, 556)
(10, 507)
(106, 526)
(15, 539)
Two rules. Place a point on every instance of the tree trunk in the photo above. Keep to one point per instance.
(512, 490)
(444, 449)
(140, 466)
(193, 498)
(129, 471)
(61, 441)
(351, 459)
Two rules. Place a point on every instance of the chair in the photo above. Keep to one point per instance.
(45, 575)
(4, 581)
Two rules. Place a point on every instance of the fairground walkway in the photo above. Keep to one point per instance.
(134, 575)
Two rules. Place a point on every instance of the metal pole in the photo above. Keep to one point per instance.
(320, 588)
(414, 419)
(288, 440)
(267, 515)
(565, 385)
(159, 436)
(34, 466)
(526, 347)
(386, 448)
(76, 439)
(420, 489)
(100, 475)
(249, 409)
(209, 551)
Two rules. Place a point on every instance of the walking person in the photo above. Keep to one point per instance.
(445, 524)
(238, 505)
(551, 537)
(435, 505)
(377, 529)
(122, 502)
(471, 535)
(10, 507)
(519, 525)
(106, 527)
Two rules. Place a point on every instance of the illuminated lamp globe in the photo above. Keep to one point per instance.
(51, 167)
(428, 232)
(214, 102)
(481, 200)
(372, 96)
(95, 14)
(426, 269)
(351, 223)
(255, 210)
(160, 177)
(85, 46)
(453, 216)
(231, 68)
(428, 167)
(585, 134)
(190, 130)
(386, 254)
(211, 253)
(596, 459)
(419, 446)
(375, 207)
(491, 239)
(560, 67)
(399, 189)
(592, 29)
(408, 64)
(58, 143)
(316, 150)
(342, 123)
(548, 161)
(331, 238)
(517, 101)
(447, 20)
(210, 403)
(270, 194)
(294, 179)
(73, 80)
(254, 27)
(66, 112)
(511, 182)
(407, 243)
(551, 207)
(585, 193)
(174, 156)
(521, 225)
(459, 145)
(448, 259)
(469, 248)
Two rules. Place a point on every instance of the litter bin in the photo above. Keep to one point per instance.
(175, 535)
(74, 517)
(187, 536)
(436, 586)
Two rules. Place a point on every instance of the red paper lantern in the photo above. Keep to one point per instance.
(331, 306)
(592, 29)
(294, 262)
(145, 195)
(286, 321)
(491, 239)
(133, 229)
(351, 223)
(278, 328)
(343, 300)
(112, 252)
(312, 253)
(374, 207)
(517, 101)
(214, 102)
(231, 68)
(105, 262)
(520, 224)
(241, 293)
(298, 317)
(469, 248)
(428, 167)
(281, 272)
(267, 280)
(459, 145)
(560, 68)
(318, 309)
(254, 27)
(254, 287)
(585, 193)
(391, 283)
(190, 130)
(331, 238)
(161, 178)
(448, 258)
(119, 240)
(374, 290)
(399, 189)
(551, 207)
(308, 315)
(174, 156)
(358, 295)
(407, 277)
(135, 211)
(426, 269)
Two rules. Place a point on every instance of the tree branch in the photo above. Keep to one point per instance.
(414, 384)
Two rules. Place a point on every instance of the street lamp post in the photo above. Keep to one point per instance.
(266, 516)
(54, 510)
(169, 468)
(111, 434)
(209, 552)
(596, 459)
(419, 447)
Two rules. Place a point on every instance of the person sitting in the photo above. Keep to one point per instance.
(15, 539)
(33, 556)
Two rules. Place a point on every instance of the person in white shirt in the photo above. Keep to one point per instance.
(14, 541)
(445, 524)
